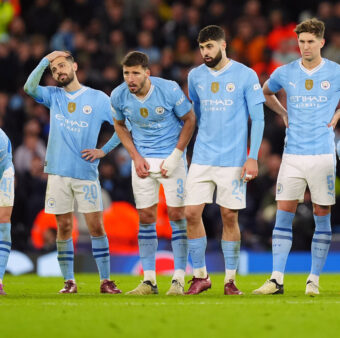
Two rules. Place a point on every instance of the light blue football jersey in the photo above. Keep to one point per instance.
(75, 122)
(312, 97)
(155, 119)
(221, 101)
(5, 152)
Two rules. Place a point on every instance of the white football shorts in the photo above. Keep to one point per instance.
(298, 171)
(146, 190)
(7, 188)
(62, 191)
(203, 179)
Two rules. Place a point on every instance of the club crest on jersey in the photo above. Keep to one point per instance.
(144, 112)
(325, 85)
(87, 109)
(71, 107)
(215, 87)
(309, 84)
(230, 87)
(159, 110)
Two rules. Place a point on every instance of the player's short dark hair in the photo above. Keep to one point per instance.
(211, 32)
(136, 59)
(313, 26)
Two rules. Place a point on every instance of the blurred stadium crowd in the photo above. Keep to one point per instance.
(99, 33)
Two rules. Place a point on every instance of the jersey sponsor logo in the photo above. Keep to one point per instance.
(87, 109)
(215, 87)
(257, 86)
(71, 123)
(180, 101)
(144, 112)
(325, 85)
(307, 101)
(230, 87)
(159, 110)
(71, 107)
(309, 84)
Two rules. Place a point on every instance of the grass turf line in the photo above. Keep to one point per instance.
(33, 308)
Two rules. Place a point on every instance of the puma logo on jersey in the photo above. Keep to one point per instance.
(292, 84)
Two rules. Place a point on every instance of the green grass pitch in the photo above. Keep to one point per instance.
(33, 308)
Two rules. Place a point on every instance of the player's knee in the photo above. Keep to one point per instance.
(192, 216)
(65, 227)
(321, 210)
(146, 216)
(97, 230)
(229, 219)
(176, 214)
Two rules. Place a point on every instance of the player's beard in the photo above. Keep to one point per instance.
(213, 63)
(67, 80)
(138, 90)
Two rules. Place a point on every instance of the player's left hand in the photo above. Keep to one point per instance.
(249, 170)
(92, 154)
(169, 165)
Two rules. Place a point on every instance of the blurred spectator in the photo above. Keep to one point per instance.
(332, 50)
(32, 147)
(6, 16)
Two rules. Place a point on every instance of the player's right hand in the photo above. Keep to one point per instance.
(56, 54)
(142, 167)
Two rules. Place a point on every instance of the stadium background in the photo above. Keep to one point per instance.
(99, 33)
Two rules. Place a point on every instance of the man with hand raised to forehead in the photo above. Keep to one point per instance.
(162, 124)
(224, 93)
(76, 115)
(312, 85)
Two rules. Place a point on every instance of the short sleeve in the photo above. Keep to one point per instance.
(275, 80)
(253, 91)
(115, 106)
(181, 103)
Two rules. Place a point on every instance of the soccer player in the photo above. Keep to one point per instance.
(312, 85)
(76, 115)
(224, 93)
(6, 203)
(162, 124)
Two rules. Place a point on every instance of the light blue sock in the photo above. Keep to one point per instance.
(101, 253)
(282, 239)
(321, 242)
(66, 258)
(197, 249)
(5, 246)
(231, 253)
(179, 243)
(148, 242)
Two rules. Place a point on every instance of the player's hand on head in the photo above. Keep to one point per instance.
(92, 154)
(249, 170)
(142, 167)
(56, 54)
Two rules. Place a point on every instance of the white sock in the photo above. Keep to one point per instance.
(278, 276)
(201, 272)
(179, 276)
(151, 276)
(229, 274)
(313, 278)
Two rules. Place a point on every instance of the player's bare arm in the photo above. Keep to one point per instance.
(170, 163)
(274, 104)
(335, 118)
(141, 165)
